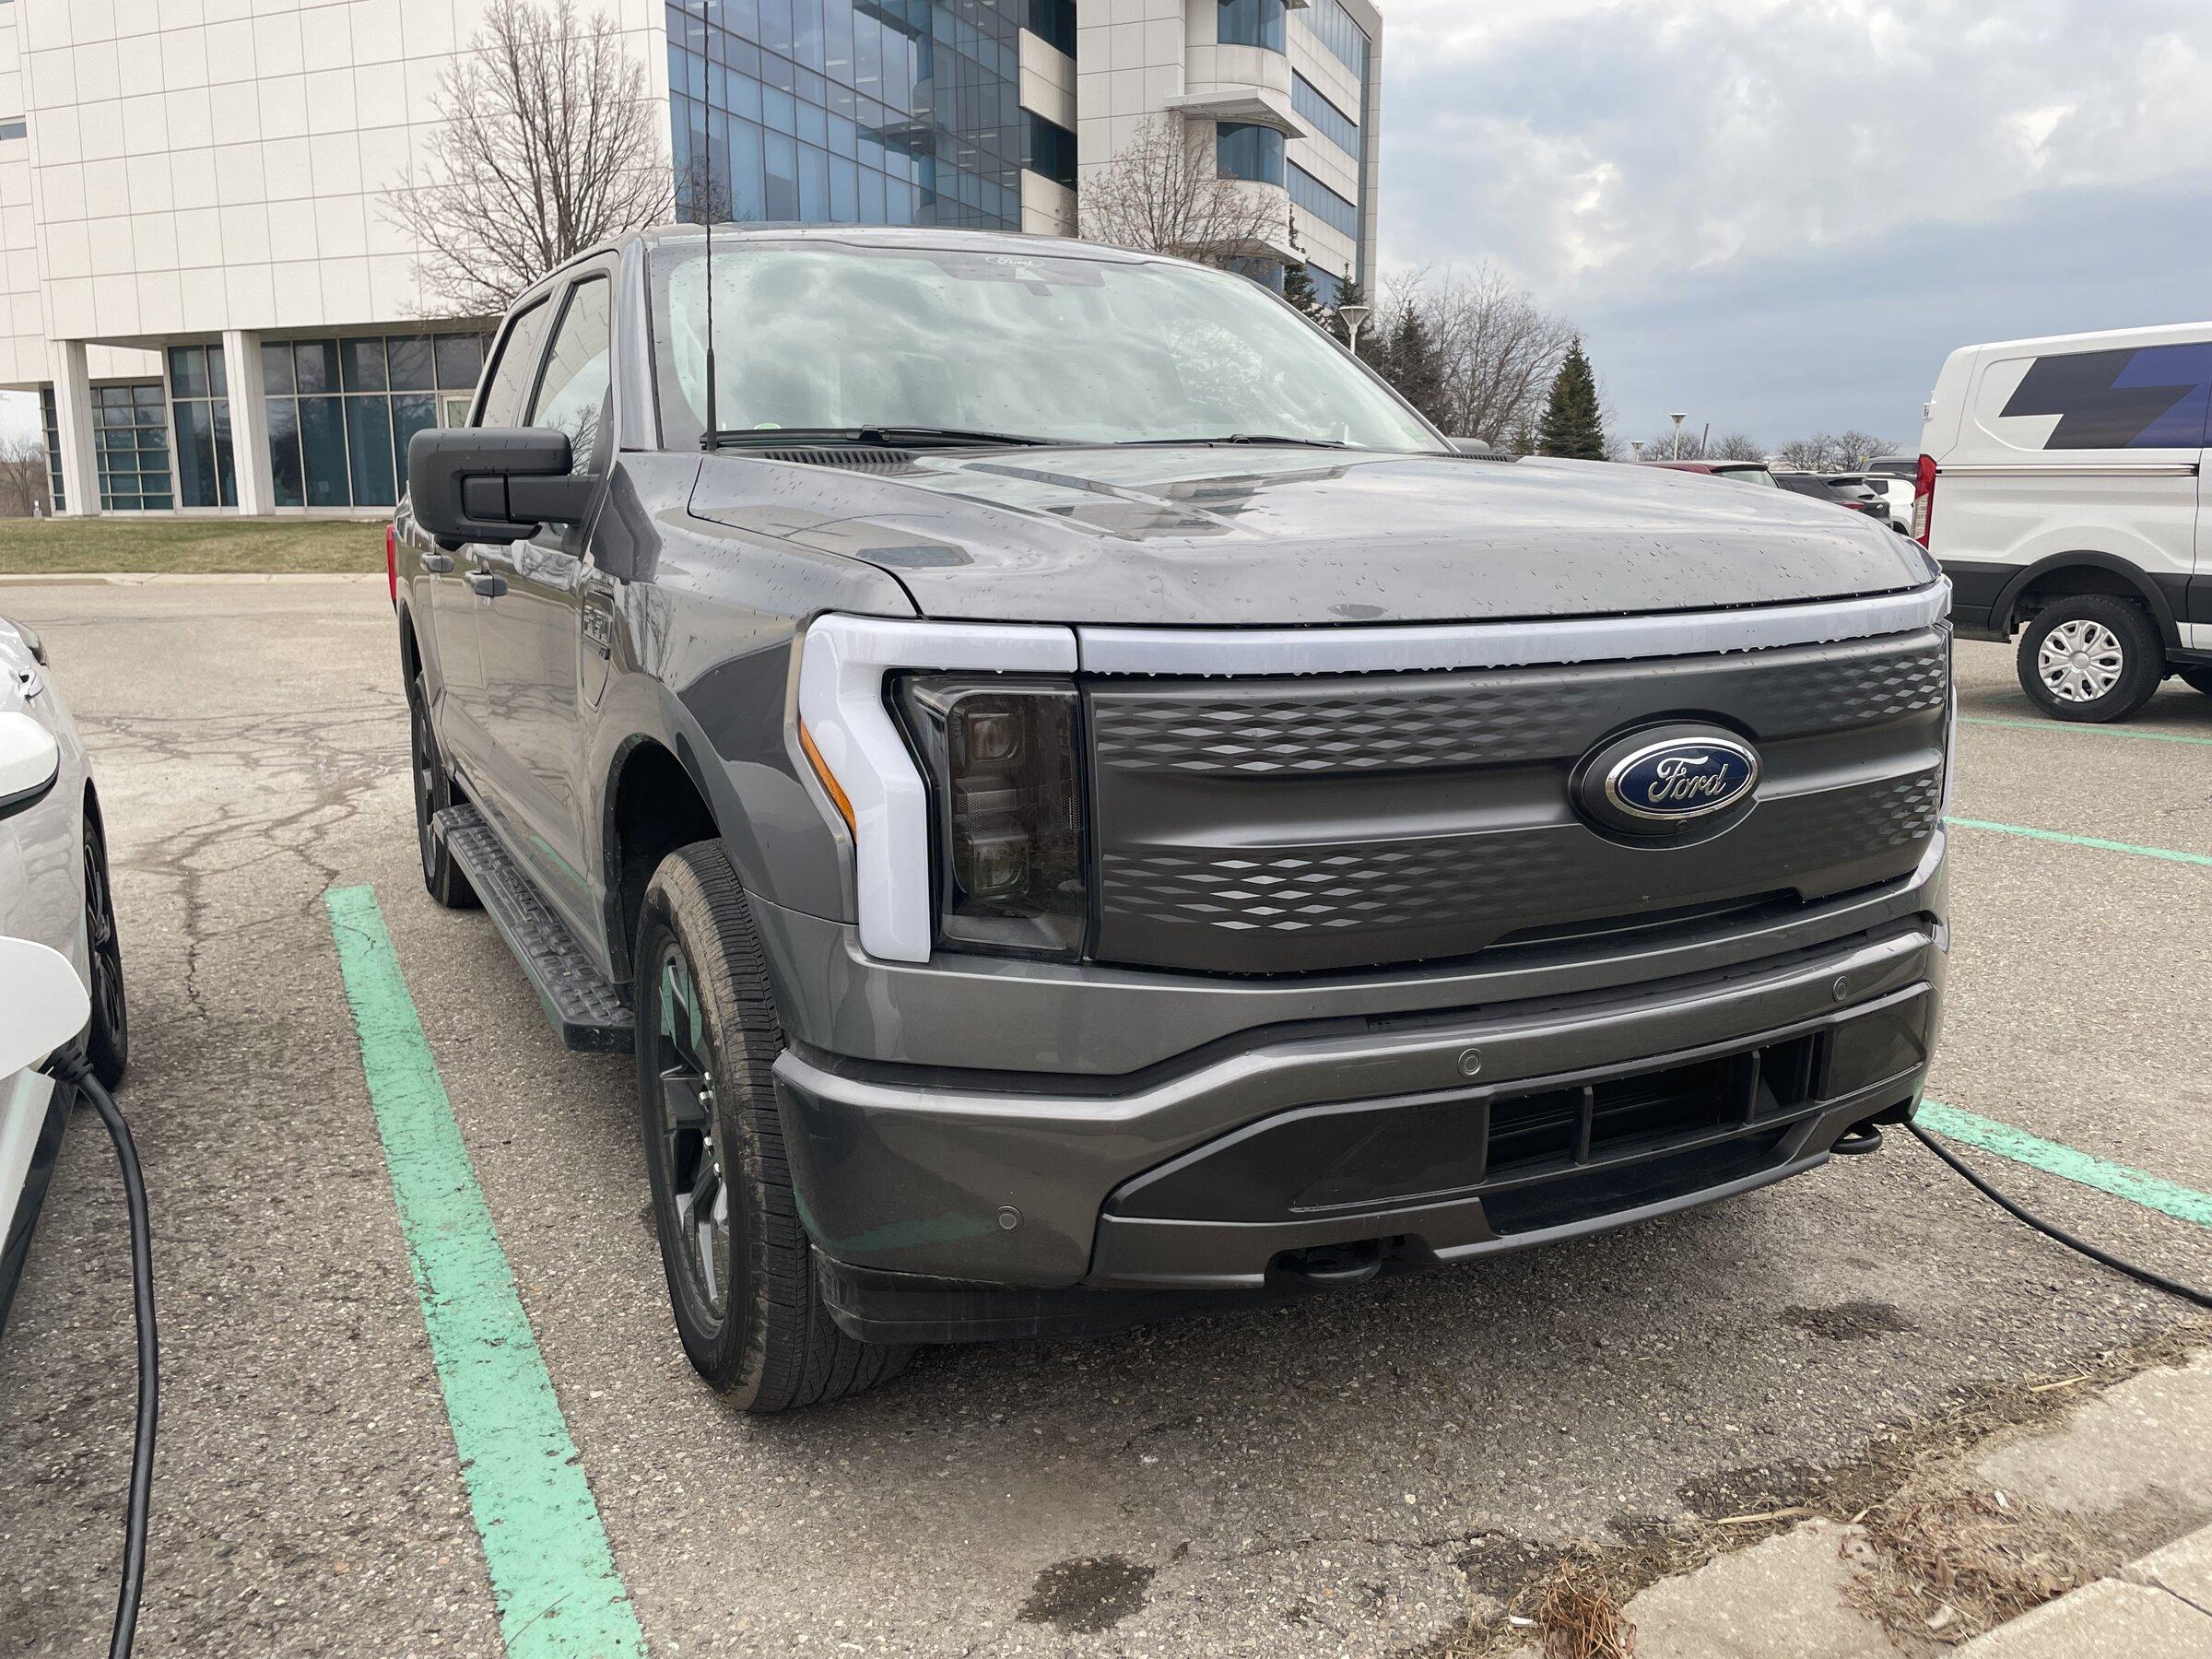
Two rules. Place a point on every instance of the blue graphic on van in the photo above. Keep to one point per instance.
(2156, 398)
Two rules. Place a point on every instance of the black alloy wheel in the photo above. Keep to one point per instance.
(433, 790)
(108, 1044)
(686, 1148)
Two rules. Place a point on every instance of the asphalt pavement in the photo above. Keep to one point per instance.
(1356, 1474)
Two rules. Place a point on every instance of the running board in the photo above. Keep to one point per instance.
(584, 1006)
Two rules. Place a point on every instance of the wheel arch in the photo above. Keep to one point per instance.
(2082, 572)
(655, 802)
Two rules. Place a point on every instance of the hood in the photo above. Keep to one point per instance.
(1251, 537)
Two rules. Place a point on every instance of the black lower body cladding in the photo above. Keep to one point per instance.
(1228, 1140)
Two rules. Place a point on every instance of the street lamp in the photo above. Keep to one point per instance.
(1352, 317)
(1678, 419)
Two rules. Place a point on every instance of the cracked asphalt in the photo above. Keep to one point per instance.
(1359, 1474)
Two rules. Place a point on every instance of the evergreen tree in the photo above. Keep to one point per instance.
(1574, 426)
(1410, 361)
(1298, 287)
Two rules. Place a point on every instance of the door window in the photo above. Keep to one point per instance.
(517, 367)
(571, 395)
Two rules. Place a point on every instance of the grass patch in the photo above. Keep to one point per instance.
(114, 546)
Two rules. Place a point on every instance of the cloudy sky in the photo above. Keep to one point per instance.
(1781, 215)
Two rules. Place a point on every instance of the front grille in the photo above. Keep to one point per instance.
(1296, 826)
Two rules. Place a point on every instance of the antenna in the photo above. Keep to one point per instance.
(706, 439)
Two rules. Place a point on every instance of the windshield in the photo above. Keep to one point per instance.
(1054, 346)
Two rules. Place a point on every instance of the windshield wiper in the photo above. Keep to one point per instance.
(877, 437)
(1256, 438)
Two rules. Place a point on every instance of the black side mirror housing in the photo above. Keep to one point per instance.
(493, 484)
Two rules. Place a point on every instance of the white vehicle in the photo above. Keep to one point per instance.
(54, 895)
(2059, 484)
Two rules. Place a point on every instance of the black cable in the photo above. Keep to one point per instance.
(2157, 1281)
(73, 1070)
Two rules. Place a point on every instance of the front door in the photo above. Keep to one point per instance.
(532, 635)
(458, 596)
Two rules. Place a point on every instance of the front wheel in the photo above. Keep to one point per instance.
(741, 1276)
(108, 1042)
(2091, 657)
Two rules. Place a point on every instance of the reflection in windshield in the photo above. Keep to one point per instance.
(1069, 348)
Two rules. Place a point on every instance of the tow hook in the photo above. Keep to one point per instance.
(1858, 1140)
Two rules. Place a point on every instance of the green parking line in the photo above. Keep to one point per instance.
(2150, 1190)
(2101, 731)
(2081, 840)
(552, 1571)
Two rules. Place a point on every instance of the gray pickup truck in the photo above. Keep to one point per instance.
(1085, 807)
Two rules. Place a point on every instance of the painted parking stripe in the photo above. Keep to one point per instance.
(552, 1569)
(2101, 844)
(2152, 1192)
(2101, 731)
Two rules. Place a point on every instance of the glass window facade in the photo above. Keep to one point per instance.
(1328, 287)
(1328, 121)
(130, 432)
(1245, 151)
(1322, 202)
(1252, 23)
(1333, 28)
(13, 129)
(341, 411)
(849, 111)
(1053, 22)
(1052, 150)
(53, 446)
(199, 408)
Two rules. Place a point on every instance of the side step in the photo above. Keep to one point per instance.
(583, 1004)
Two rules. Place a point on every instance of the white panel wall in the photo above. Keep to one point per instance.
(199, 165)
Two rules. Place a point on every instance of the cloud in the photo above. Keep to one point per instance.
(1786, 211)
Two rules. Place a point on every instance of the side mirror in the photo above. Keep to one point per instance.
(1482, 447)
(45, 1002)
(493, 484)
(30, 761)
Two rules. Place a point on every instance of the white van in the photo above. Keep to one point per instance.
(2059, 485)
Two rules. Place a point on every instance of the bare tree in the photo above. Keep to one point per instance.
(1164, 193)
(23, 482)
(1831, 452)
(548, 146)
(1738, 446)
(1497, 352)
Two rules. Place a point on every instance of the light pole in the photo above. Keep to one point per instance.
(1352, 316)
(1678, 419)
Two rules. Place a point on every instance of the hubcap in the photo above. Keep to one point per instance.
(425, 785)
(2081, 662)
(690, 1151)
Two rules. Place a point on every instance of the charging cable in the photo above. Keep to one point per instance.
(2157, 1281)
(72, 1070)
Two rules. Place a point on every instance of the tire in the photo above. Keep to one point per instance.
(747, 1302)
(433, 788)
(108, 1039)
(2115, 664)
(2197, 678)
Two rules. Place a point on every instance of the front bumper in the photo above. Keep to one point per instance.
(1323, 1149)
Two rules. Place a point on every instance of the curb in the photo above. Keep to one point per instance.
(179, 577)
(2162, 1604)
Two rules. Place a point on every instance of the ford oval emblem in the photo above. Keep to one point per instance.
(1681, 778)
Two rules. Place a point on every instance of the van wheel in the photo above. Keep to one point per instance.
(2091, 657)
(741, 1276)
(441, 876)
(2196, 679)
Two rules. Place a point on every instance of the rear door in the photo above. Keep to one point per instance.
(457, 604)
(531, 633)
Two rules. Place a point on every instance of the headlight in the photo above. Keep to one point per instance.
(1002, 759)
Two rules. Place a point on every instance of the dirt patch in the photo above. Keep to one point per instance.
(1087, 1595)
(1850, 1322)
(1951, 1559)
(1737, 1508)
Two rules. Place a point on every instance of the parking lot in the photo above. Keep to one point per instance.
(1361, 1472)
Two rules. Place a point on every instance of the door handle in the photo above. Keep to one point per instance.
(488, 584)
(438, 564)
